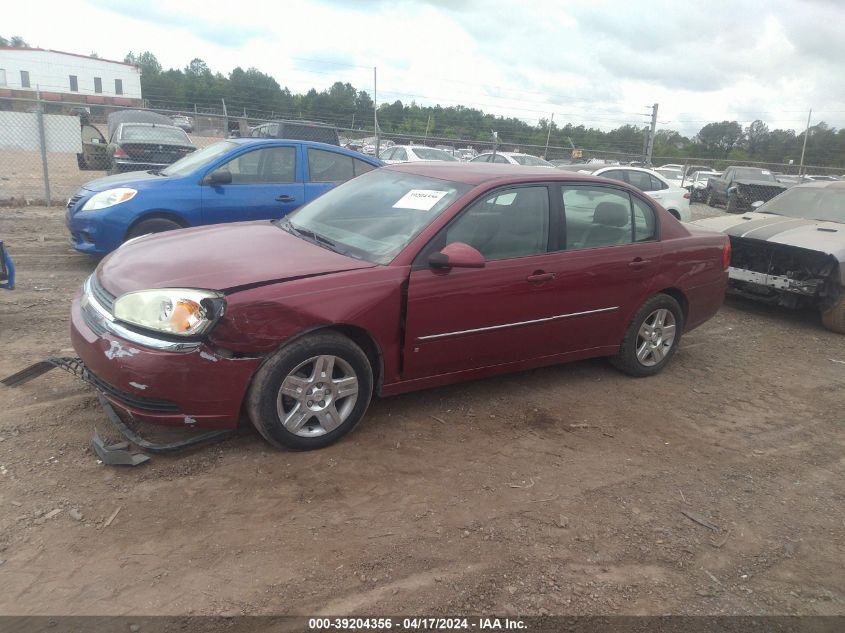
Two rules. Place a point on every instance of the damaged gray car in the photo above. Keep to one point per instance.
(790, 251)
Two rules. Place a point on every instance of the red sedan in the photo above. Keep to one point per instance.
(409, 277)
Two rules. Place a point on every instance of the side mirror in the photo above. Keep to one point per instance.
(219, 177)
(457, 255)
(757, 204)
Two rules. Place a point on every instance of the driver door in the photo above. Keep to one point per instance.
(267, 184)
(94, 149)
(460, 319)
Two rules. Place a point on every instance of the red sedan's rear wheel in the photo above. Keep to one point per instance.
(652, 337)
(311, 392)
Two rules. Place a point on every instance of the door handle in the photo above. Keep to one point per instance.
(539, 277)
(638, 263)
(285, 198)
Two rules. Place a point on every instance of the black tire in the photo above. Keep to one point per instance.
(626, 359)
(80, 161)
(833, 318)
(153, 225)
(675, 214)
(711, 201)
(263, 395)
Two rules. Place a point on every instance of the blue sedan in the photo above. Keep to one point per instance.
(229, 181)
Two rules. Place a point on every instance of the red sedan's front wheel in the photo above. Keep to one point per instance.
(311, 392)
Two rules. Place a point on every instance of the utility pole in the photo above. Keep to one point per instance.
(804, 146)
(548, 136)
(650, 146)
(495, 144)
(427, 125)
(225, 119)
(375, 108)
(42, 143)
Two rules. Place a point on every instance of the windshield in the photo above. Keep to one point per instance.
(810, 203)
(530, 161)
(428, 153)
(154, 134)
(753, 174)
(199, 158)
(375, 216)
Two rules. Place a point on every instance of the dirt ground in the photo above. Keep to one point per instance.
(561, 490)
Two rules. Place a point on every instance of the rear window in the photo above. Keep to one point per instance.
(301, 132)
(428, 153)
(154, 134)
(754, 174)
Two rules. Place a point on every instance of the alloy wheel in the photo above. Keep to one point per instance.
(656, 337)
(317, 396)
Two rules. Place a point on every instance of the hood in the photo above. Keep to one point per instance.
(134, 179)
(219, 257)
(825, 237)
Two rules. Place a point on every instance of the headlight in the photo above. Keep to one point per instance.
(109, 198)
(179, 311)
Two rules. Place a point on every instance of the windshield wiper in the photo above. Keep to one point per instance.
(156, 172)
(318, 239)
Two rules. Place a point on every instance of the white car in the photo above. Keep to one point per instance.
(512, 158)
(672, 166)
(671, 197)
(696, 184)
(675, 176)
(414, 153)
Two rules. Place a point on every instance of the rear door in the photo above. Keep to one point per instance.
(267, 183)
(611, 254)
(325, 169)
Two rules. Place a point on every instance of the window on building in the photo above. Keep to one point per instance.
(74, 84)
(98, 85)
(24, 79)
(2, 76)
(118, 86)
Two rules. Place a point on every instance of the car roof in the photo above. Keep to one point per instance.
(314, 144)
(479, 173)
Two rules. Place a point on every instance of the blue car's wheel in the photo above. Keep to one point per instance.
(153, 225)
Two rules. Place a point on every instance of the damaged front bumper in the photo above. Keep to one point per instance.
(158, 381)
(807, 288)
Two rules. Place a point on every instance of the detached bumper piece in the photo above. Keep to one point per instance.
(116, 453)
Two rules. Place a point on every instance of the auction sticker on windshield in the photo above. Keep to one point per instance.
(420, 199)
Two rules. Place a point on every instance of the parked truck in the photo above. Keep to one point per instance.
(740, 187)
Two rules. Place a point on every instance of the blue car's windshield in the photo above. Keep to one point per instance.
(197, 159)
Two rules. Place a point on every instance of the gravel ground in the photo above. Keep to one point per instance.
(714, 488)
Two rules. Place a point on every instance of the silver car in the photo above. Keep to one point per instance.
(790, 251)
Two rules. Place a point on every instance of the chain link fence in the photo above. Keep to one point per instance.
(49, 149)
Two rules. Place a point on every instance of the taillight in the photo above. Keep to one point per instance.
(726, 255)
(120, 153)
(687, 195)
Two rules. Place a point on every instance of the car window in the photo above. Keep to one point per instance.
(656, 184)
(596, 216)
(641, 180)
(500, 159)
(388, 154)
(90, 134)
(361, 167)
(324, 166)
(484, 158)
(645, 225)
(399, 153)
(512, 223)
(265, 165)
(614, 174)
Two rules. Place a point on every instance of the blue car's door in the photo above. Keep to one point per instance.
(267, 183)
(326, 168)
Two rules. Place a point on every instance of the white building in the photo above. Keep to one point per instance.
(68, 77)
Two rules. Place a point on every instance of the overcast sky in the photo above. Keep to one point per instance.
(597, 63)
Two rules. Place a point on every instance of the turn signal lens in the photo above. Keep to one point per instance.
(726, 255)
